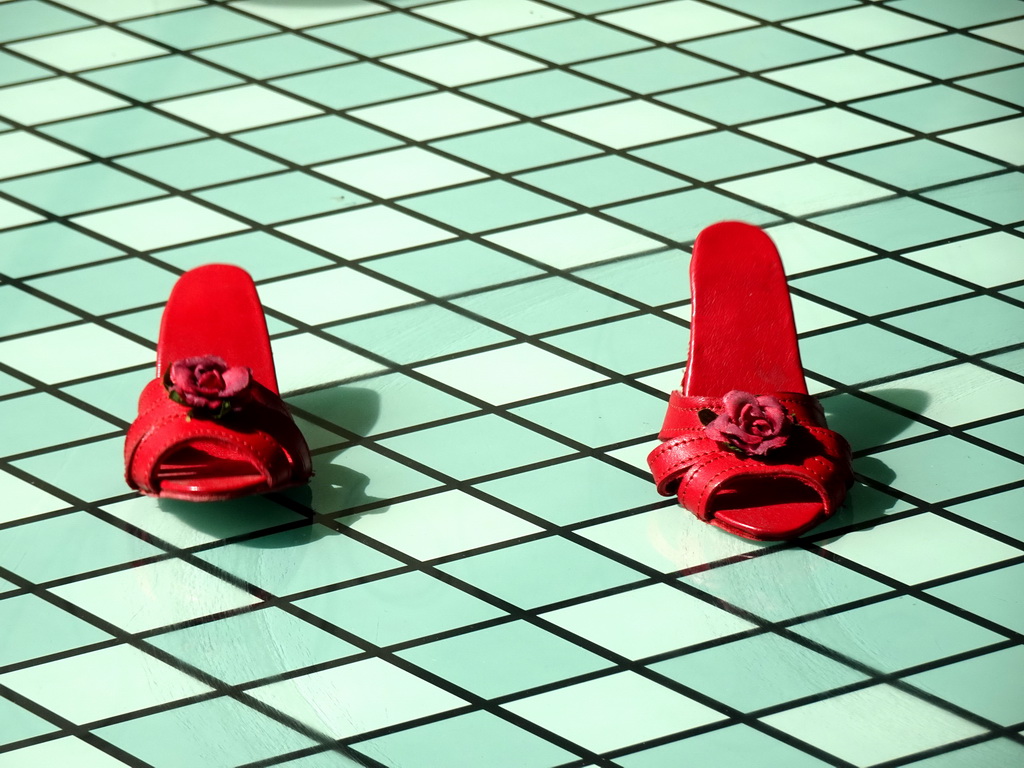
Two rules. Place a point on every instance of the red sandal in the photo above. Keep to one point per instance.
(745, 447)
(212, 425)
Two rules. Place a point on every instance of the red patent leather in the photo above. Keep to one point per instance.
(742, 337)
(215, 310)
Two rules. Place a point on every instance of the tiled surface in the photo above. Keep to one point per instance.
(470, 222)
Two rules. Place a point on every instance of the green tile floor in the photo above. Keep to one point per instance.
(470, 223)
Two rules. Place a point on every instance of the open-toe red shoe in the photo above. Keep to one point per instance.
(212, 424)
(745, 447)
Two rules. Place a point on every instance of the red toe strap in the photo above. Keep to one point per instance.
(262, 438)
(696, 468)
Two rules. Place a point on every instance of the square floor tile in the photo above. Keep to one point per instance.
(118, 10)
(545, 93)
(317, 139)
(300, 559)
(399, 608)
(198, 27)
(948, 56)
(14, 69)
(63, 751)
(504, 659)
(485, 375)
(715, 156)
(541, 572)
(602, 180)
(515, 147)
(570, 41)
(34, 18)
(996, 511)
(381, 34)
(91, 471)
(933, 108)
(26, 312)
(162, 78)
(739, 100)
(19, 723)
(200, 163)
(306, 15)
(648, 621)
(1005, 85)
(463, 63)
(352, 85)
(101, 684)
(858, 727)
(992, 198)
(34, 550)
(543, 305)
(87, 49)
(896, 634)
(599, 416)
(289, 195)
(998, 140)
(253, 645)
(25, 500)
(757, 672)
(23, 153)
(260, 254)
(878, 286)
(913, 164)
(994, 596)
(422, 118)
(980, 685)
(845, 78)
(170, 221)
(40, 248)
(825, 132)
(366, 232)
(920, 548)
(356, 698)
(612, 344)
(121, 132)
(442, 524)
(400, 172)
(220, 732)
(654, 70)
(628, 124)
(612, 712)
(58, 98)
(894, 225)
(73, 353)
(680, 216)
(486, 205)
(479, 17)
(37, 628)
(863, 27)
(761, 48)
(14, 215)
(479, 738)
(274, 56)
(342, 293)
(235, 109)
(953, 395)
(109, 287)
(677, 20)
(805, 189)
(80, 188)
(970, 325)
(785, 583)
(574, 241)
(738, 743)
(453, 268)
(167, 592)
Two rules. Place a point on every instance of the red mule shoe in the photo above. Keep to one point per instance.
(745, 447)
(212, 425)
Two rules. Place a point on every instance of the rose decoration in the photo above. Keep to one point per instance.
(750, 425)
(207, 385)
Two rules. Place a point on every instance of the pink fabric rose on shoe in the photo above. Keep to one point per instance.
(750, 425)
(206, 384)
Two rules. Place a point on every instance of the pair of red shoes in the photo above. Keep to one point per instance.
(744, 446)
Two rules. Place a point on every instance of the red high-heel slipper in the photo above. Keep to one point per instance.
(212, 424)
(744, 446)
